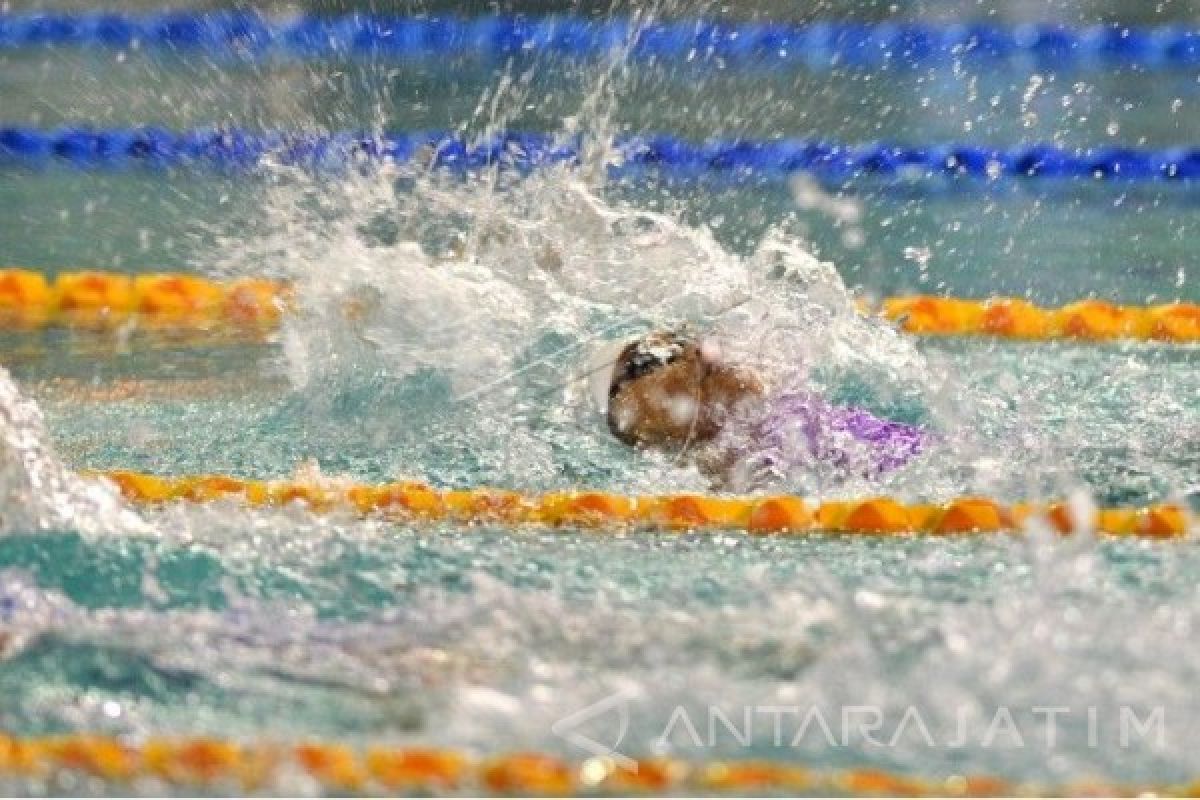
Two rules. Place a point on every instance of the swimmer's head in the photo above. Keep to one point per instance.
(670, 387)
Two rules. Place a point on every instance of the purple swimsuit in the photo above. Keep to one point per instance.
(802, 431)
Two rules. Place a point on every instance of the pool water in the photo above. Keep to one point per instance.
(485, 296)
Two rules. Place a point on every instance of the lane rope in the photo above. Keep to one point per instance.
(238, 149)
(109, 300)
(180, 302)
(383, 769)
(779, 514)
(820, 45)
(1015, 318)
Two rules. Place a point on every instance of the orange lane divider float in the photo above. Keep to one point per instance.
(99, 300)
(225, 765)
(1013, 318)
(599, 510)
(102, 300)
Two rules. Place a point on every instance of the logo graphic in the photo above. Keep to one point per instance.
(569, 728)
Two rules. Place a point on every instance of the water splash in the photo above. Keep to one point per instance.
(39, 493)
(511, 289)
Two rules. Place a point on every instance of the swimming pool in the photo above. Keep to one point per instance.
(1032, 658)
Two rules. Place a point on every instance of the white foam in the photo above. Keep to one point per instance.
(39, 493)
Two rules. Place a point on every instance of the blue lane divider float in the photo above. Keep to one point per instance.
(155, 147)
(822, 44)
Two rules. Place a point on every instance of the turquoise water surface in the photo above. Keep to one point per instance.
(283, 624)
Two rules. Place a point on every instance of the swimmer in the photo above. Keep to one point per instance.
(670, 390)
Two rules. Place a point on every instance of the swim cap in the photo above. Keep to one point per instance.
(645, 355)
